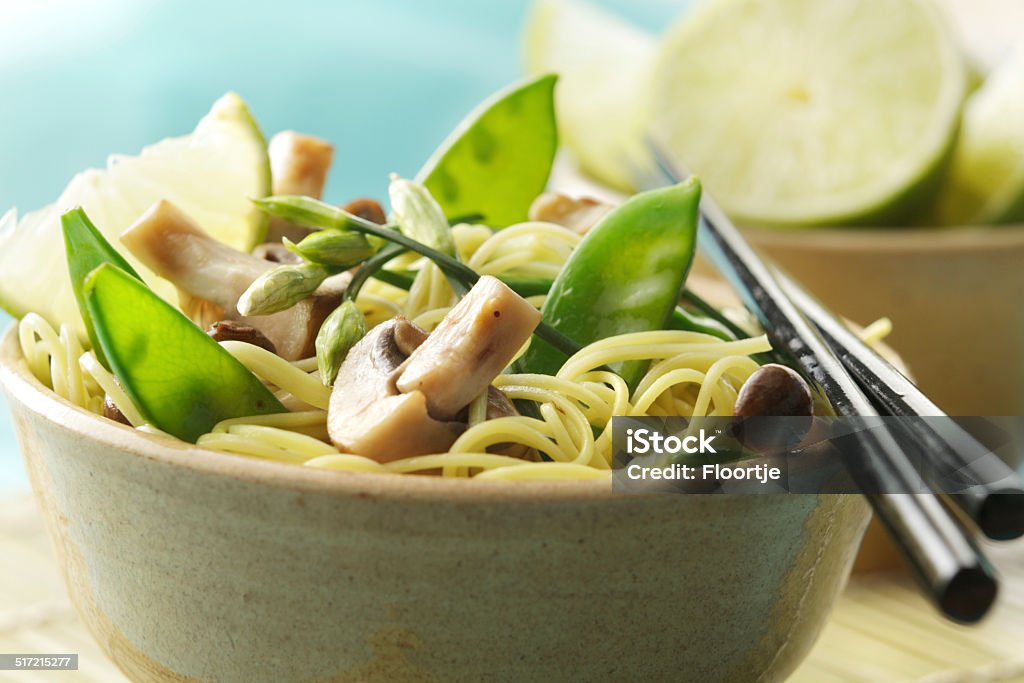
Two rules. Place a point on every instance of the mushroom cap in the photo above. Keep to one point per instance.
(369, 416)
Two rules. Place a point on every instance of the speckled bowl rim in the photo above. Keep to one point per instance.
(24, 388)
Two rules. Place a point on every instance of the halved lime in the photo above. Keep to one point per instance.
(211, 174)
(986, 178)
(802, 112)
(601, 62)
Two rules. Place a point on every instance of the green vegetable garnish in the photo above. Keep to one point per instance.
(339, 248)
(707, 310)
(316, 214)
(419, 215)
(281, 288)
(87, 250)
(498, 159)
(690, 321)
(625, 276)
(339, 333)
(179, 378)
(523, 285)
(373, 267)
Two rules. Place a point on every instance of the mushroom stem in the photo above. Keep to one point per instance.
(400, 392)
(211, 277)
(368, 415)
(170, 244)
(298, 165)
(476, 341)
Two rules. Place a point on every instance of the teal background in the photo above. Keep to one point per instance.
(385, 80)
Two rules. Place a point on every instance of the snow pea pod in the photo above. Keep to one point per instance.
(689, 321)
(179, 378)
(87, 249)
(625, 276)
(496, 162)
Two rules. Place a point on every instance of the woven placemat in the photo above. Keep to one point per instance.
(884, 631)
(881, 632)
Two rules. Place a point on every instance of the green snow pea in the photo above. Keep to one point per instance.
(496, 162)
(690, 321)
(179, 378)
(625, 276)
(87, 250)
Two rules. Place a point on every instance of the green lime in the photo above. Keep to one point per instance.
(986, 178)
(211, 174)
(800, 112)
(601, 62)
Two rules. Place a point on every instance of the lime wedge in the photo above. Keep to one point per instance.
(986, 179)
(796, 112)
(211, 174)
(601, 62)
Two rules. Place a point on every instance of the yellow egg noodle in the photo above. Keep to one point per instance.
(876, 331)
(690, 374)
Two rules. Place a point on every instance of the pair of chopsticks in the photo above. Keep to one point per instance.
(995, 503)
(940, 550)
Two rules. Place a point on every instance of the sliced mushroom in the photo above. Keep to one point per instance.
(369, 416)
(211, 276)
(298, 165)
(409, 337)
(579, 215)
(476, 340)
(112, 412)
(201, 312)
(275, 252)
(170, 244)
(368, 209)
(233, 330)
(401, 392)
(499, 405)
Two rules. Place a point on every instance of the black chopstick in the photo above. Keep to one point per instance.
(995, 502)
(945, 560)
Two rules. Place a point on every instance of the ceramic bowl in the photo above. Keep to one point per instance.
(953, 296)
(192, 565)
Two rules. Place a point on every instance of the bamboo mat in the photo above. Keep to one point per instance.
(881, 632)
